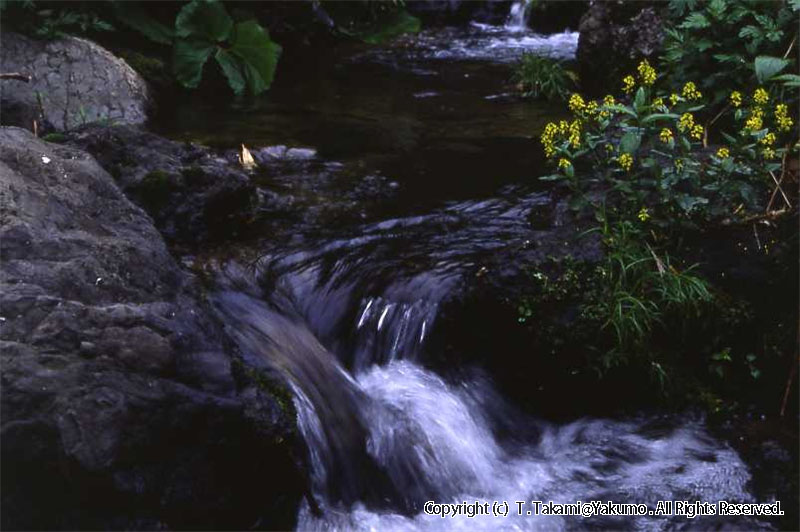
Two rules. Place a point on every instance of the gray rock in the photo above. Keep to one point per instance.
(123, 404)
(614, 36)
(74, 82)
(191, 192)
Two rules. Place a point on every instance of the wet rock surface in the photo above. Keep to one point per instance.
(73, 82)
(192, 193)
(124, 404)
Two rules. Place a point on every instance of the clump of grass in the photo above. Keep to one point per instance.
(543, 77)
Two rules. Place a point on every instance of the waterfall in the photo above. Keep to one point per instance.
(518, 16)
(389, 435)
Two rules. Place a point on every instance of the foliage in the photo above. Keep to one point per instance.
(373, 21)
(543, 77)
(203, 28)
(649, 154)
(718, 43)
(643, 163)
(639, 290)
(53, 22)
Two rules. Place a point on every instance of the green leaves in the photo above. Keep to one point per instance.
(245, 53)
(630, 142)
(132, 15)
(188, 58)
(400, 23)
(204, 19)
(766, 67)
(257, 54)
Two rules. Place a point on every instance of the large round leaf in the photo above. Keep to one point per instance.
(204, 19)
(258, 55)
(189, 56)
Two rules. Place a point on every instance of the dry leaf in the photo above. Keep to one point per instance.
(246, 158)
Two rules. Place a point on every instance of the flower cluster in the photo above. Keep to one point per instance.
(556, 133)
(690, 91)
(686, 122)
(665, 135)
(781, 117)
(564, 163)
(576, 103)
(643, 215)
(736, 99)
(674, 98)
(755, 121)
(628, 84)
(760, 96)
(625, 161)
(768, 139)
(646, 73)
(723, 153)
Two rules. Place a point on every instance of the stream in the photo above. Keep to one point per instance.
(389, 173)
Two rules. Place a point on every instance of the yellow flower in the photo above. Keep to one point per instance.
(576, 103)
(643, 214)
(673, 98)
(736, 98)
(678, 164)
(697, 132)
(564, 163)
(665, 135)
(781, 117)
(768, 139)
(686, 122)
(646, 73)
(575, 133)
(690, 91)
(755, 121)
(625, 161)
(591, 108)
(768, 153)
(609, 100)
(628, 84)
(549, 138)
(563, 127)
(658, 102)
(760, 96)
(723, 153)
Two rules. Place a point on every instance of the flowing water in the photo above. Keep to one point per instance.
(389, 174)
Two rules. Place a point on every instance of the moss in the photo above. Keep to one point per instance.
(194, 173)
(152, 69)
(55, 137)
(154, 190)
(265, 383)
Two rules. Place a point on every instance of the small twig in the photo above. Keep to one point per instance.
(783, 174)
(788, 387)
(778, 187)
(791, 45)
(755, 233)
(774, 215)
(17, 76)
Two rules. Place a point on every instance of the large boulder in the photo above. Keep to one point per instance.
(73, 82)
(192, 192)
(124, 404)
(614, 36)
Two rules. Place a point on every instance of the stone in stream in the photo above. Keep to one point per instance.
(124, 404)
(191, 192)
(74, 82)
